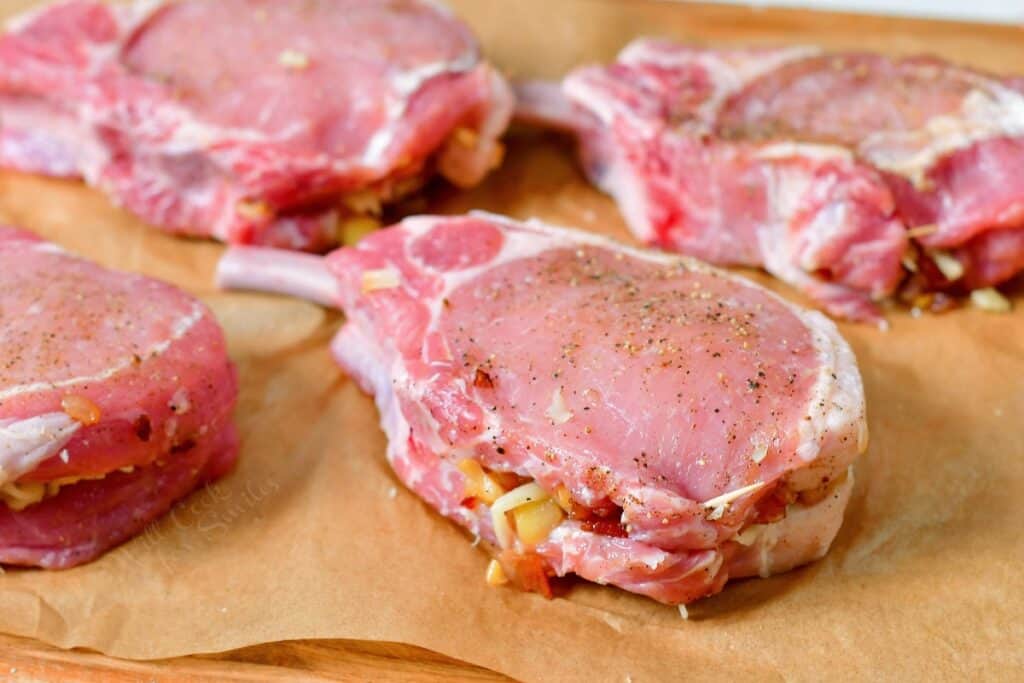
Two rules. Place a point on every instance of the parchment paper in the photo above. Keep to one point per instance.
(312, 537)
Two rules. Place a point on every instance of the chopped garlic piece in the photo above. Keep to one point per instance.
(683, 612)
(558, 412)
(760, 452)
(991, 300)
(495, 574)
(951, 268)
(384, 278)
(293, 59)
(527, 493)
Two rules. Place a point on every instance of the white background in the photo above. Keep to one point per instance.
(1001, 11)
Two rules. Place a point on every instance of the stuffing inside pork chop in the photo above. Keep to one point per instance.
(637, 419)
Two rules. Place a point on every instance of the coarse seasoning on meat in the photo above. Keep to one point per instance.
(853, 177)
(116, 396)
(634, 418)
(278, 122)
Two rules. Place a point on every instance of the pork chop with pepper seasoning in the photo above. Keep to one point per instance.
(853, 177)
(116, 396)
(635, 418)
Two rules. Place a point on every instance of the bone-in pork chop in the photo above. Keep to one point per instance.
(281, 122)
(833, 172)
(635, 418)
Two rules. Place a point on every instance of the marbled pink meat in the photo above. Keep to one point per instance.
(811, 165)
(116, 396)
(700, 427)
(251, 121)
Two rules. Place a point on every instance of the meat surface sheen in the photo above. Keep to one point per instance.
(251, 121)
(110, 383)
(695, 427)
(814, 166)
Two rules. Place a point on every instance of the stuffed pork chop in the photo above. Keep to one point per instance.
(853, 177)
(638, 419)
(284, 122)
(116, 396)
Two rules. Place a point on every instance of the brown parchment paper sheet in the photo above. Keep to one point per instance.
(312, 537)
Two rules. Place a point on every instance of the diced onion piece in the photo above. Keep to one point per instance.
(383, 278)
(558, 412)
(990, 299)
(951, 268)
(564, 499)
(479, 484)
(293, 59)
(354, 229)
(527, 493)
(760, 452)
(536, 520)
(495, 574)
(683, 612)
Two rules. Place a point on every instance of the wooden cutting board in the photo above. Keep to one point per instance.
(999, 48)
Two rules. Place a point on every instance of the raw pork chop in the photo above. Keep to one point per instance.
(811, 165)
(634, 418)
(116, 396)
(252, 121)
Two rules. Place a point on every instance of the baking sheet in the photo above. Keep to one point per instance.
(312, 537)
